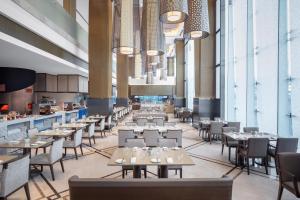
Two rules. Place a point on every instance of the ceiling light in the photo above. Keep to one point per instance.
(173, 11)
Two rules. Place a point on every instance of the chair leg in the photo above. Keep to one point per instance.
(36, 151)
(90, 141)
(248, 167)
(26, 188)
(175, 171)
(44, 149)
(145, 173)
(229, 153)
(180, 173)
(94, 139)
(222, 149)
(52, 172)
(81, 149)
(266, 165)
(65, 151)
(42, 168)
(62, 165)
(280, 190)
(75, 151)
(123, 173)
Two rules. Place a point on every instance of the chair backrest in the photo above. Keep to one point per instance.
(109, 120)
(216, 127)
(78, 137)
(14, 176)
(32, 132)
(288, 145)
(250, 129)
(56, 150)
(55, 125)
(73, 120)
(140, 142)
(229, 129)
(175, 134)
(163, 189)
(165, 142)
(150, 124)
(102, 125)
(258, 147)
(130, 124)
(289, 162)
(123, 135)
(151, 137)
(141, 121)
(91, 130)
(159, 121)
(237, 125)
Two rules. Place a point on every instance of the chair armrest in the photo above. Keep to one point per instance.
(272, 146)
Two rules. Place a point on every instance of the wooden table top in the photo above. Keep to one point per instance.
(246, 136)
(87, 120)
(140, 129)
(22, 144)
(55, 133)
(74, 125)
(149, 156)
(97, 117)
(4, 159)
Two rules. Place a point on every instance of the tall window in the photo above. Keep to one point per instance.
(189, 73)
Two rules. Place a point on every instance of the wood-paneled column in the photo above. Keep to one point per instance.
(180, 68)
(100, 57)
(122, 80)
(70, 7)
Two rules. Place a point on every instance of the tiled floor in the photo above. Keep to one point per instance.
(207, 157)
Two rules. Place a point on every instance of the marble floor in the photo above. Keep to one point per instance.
(208, 163)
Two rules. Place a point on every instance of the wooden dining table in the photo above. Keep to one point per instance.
(161, 157)
(75, 126)
(56, 133)
(88, 121)
(140, 129)
(5, 159)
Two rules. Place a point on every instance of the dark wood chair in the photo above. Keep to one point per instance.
(289, 173)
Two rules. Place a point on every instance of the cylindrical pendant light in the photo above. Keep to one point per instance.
(152, 29)
(173, 11)
(126, 27)
(197, 24)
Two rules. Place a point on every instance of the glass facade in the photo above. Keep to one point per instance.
(259, 52)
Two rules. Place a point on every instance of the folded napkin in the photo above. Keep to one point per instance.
(170, 160)
(155, 160)
(40, 142)
(120, 161)
(133, 160)
(175, 148)
(34, 144)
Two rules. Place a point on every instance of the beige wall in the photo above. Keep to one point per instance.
(151, 90)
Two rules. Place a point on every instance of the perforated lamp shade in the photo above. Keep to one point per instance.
(197, 24)
(152, 29)
(126, 27)
(173, 11)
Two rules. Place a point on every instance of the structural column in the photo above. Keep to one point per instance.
(70, 7)
(122, 80)
(100, 57)
(205, 103)
(179, 88)
(170, 63)
(131, 67)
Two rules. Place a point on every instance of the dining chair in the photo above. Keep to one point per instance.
(74, 143)
(136, 142)
(55, 125)
(32, 132)
(230, 143)
(257, 148)
(108, 124)
(130, 143)
(14, 176)
(158, 121)
(175, 134)
(123, 135)
(289, 173)
(151, 137)
(141, 121)
(215, 130)
(90, 134)
(170, 143)
(250, 129)
(283, 145)
(100, 127)
(73, 120)
(237, 125)
(49, 159)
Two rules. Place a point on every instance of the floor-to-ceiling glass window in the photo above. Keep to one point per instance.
(189, 74)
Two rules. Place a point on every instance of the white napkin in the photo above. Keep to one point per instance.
(175, 148)
(133, 160)
(40, 142)
(120, 161)
(170, 160)
(165, 148)
(154, 160)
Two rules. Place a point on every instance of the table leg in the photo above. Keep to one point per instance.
(137, 171)
(163, 171)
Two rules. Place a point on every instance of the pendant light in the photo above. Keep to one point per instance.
(152, 29)
(126, 27)
(197, 24)
(173, 11)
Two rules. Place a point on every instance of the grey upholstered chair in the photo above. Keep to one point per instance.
(108, 124)
(130, 143)
(49, 159)
(159, 121)
(151, 137)
(227, 141)
(123, 135)
(283, 145)
(14, 176)
(55, 125)
(100, 127)
(215, 130)
(138, 142)
(141, 121)
(289, 173)
(32, 132)
(257, 148)
(90, 134)
(237, 125)
(74, 143)
(175, 134)
(250, 129)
